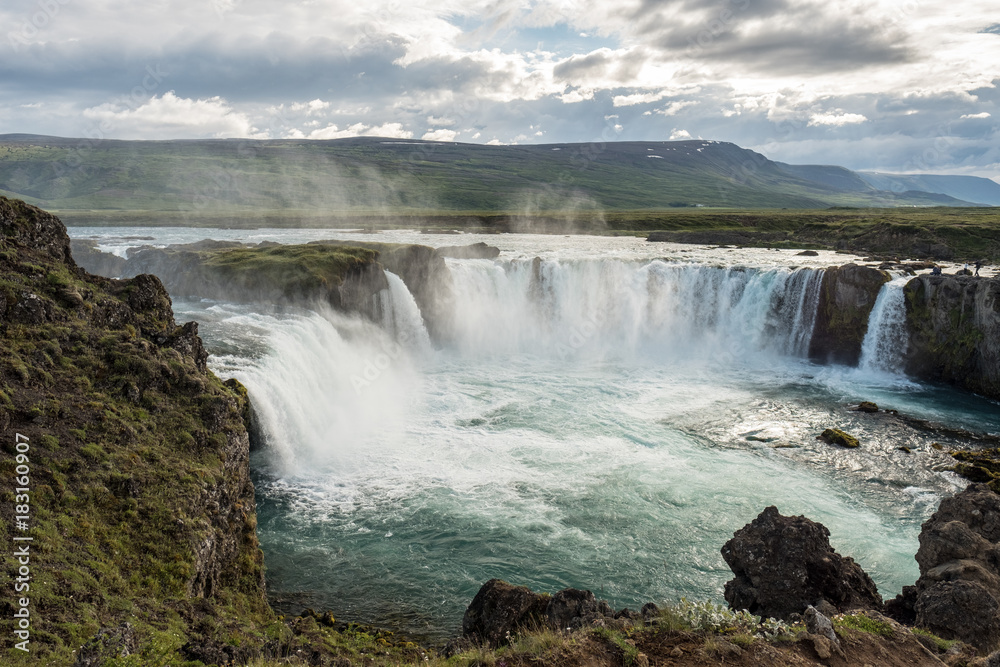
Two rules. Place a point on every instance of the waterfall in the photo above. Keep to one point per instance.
(401, 315)
(885, 343)
(613, 307)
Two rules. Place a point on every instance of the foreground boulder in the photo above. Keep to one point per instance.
(784, 564)
(500, 610)
(573, 608)
(958, 593)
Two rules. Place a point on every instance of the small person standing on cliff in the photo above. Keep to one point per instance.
(979, 265)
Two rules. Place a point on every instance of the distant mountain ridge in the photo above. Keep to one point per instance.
(195, 179)
(969, 188)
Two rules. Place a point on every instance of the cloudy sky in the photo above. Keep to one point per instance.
(893, 85)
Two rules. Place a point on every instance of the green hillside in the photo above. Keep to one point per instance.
(235, 182)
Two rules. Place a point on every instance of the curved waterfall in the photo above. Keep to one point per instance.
(585, 422)
(610, 306)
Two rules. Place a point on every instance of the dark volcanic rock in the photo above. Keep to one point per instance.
(500, 608)
(958, 593)
(474, 251)
(573, 608)
(847, 296)
(954, 327)
(25, 225)
(783, 564)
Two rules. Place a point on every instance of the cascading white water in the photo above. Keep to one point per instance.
(591, 422)
(401, 315)
(885, 343)
(616, 307)
(328, 384)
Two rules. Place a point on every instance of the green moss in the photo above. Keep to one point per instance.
(627, 647)
(835, 436)
(942, 645)
(299, 269)
(864, 624)
(106, 499)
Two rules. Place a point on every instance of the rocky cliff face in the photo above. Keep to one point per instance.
(141, 505)
(847, 296)
(954, 331)
(958, 593)
(346, 279)
(346, 276)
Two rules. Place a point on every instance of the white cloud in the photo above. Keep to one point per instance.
(637, 98)
(836, 119)
(172, 116)
(765, 73)
(679, 135)
(675, 108)
(440, 134)
(313, 107)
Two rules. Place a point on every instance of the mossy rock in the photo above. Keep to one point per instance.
(979, 465)
(835, 436)
(867, 406)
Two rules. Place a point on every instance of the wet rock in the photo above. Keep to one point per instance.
(500, 610)
(108, 644)
(807, 253)
(834, 436)
(784, 564)
(867, 407)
